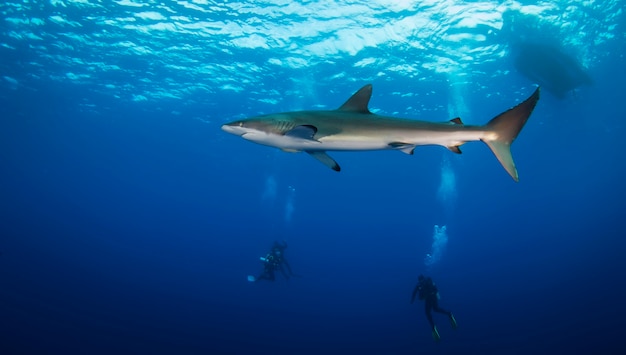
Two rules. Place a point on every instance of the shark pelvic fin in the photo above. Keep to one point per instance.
(455, 149)
(359, 101)
(504, 128)
(303, 132)
(403, 147)
(325, 159)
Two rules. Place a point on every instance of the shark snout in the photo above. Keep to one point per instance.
(233, 128)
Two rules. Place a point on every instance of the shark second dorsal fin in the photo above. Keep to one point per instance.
(359, 101)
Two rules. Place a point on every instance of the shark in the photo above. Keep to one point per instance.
(353, 127)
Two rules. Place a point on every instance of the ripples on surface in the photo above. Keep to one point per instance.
(149, 50)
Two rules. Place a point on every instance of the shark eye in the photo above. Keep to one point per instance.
(240, 124)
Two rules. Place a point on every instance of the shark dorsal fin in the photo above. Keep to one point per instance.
(359, 101)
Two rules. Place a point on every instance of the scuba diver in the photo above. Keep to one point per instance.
(275, 259)
(430, 294)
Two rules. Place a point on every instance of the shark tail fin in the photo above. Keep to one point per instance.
(504, 128)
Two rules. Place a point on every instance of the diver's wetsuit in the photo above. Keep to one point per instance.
(275, 259)
(428, 292)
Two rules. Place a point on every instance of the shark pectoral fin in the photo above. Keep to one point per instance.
(406, 148)
(303, 132)
(324, 159)
(455, 149)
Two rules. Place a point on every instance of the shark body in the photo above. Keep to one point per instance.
(352, 127)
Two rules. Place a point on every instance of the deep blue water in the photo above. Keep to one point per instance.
(129, 221)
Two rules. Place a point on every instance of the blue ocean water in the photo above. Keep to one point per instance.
(129, 220)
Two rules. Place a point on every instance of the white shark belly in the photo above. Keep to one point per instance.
(375, 140)
(392, 140)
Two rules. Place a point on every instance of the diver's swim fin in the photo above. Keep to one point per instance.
(251, 278)
(436, 334)
(453, 321)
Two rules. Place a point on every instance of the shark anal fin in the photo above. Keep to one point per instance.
(456, 120)
(455, 149)
(324, 159)
(406, 148)
(303, 132)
